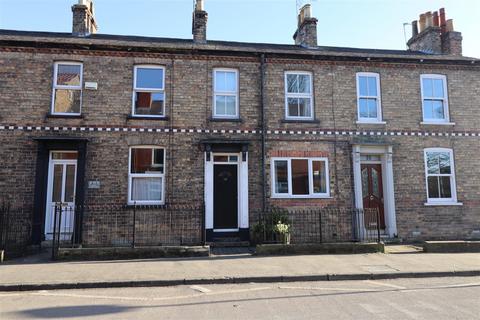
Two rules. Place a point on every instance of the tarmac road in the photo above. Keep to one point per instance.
(429, 298)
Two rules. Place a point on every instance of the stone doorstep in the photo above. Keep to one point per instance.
(125, 253)
(459, 246)
(321, 248)
(229, 244)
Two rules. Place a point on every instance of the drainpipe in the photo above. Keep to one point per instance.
(263, 131)
(332, 71)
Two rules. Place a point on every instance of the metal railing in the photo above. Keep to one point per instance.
(15, 229)
(116, 225)
(320, 225)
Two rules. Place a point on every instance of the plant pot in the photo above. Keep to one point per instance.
(284, 238)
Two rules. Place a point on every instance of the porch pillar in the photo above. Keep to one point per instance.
(390, 203)
(357, 182)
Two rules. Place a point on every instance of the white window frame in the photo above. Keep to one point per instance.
(310, 178)
(299, 95)
(378, 98)
(153, 90)
(146, 175)
(446, 113)
(64, 87)
(225, 93)
(453, 186)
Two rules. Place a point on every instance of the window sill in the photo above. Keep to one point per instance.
(437, 123)
(300, 121)
(431, 204)
(155, 118)
(225, 119)
(63, 116)
(301, 197)
(371, 122)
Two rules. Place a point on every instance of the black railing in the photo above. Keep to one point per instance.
(320, 225)
(15, 229)
(127, 226)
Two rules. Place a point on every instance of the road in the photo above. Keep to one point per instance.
(434, 298)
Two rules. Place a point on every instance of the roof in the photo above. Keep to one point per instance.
(152, 44)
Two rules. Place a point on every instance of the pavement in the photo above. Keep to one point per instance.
(37, 274)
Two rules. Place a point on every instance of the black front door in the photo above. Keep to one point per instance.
(225, 196)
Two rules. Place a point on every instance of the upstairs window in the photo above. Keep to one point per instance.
(300, 178)
(368, 97)
(225, 93)
(434, 98)
(149, 91)
(440, 175)
(146, 175)
(298, 96)
(67, 88)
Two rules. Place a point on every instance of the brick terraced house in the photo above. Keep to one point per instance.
(234, 128)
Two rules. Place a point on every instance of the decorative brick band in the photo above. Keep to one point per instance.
(301, 154)
(326, 132)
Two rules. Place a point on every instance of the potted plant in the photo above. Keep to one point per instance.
(282, 231)
(272, 227)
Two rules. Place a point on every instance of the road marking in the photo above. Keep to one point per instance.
(108, 297)
(448, 286)
(404, 310)
(329, 289)
(11, 294)
(385, 284)
(200, 289)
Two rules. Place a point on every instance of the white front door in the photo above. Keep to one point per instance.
(62, 173)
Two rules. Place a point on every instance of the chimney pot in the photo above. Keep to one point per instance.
(307, 11)
(422, 22)
(414, 28)
(449, 26)
(199, 5)
(443, 22)
(435, 19)
(428, 19)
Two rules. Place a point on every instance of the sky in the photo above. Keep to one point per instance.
(345, 23)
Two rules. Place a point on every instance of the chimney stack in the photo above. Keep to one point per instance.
(434, 34)
(83, 23)
(199, 23)
(306, 34)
